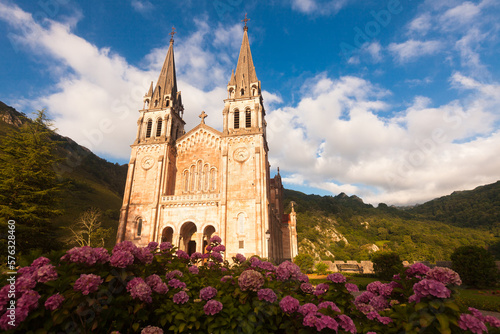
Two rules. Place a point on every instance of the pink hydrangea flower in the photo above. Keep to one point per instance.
(268, 266)
(310, 320)
(250, 280)
(176, 284)
(217, 256)
(419, 269)
(304, 278)
(308, 308)
(330, 305)
(470, 322)
(41, 261)
(208, 293)
(196, 256)
(215, 239)
(227, 278)
(219, 248)
(321, 289)
(25, 282)
(121, 259)
(165, 246)
(336, 278)
(139, 289)
(346, 323)
(212, 307)
(289, 304)
(444, 275)
(428, 287)
(180, 297)
(86, 255)
(144, 255)
(54, 302)
(152, 330)
(351, 287)
(328, 322)
(288, 270)
(173, 273)
(267, 294)
(365, 297)
(254, 261)
(194, 270)
(125, 246)
(182, 254)
(156, 284)
(29, 300)
(379, 303)
(87, 283)
(152, 245)
(307, 287)
(45, 273)
(240, 258)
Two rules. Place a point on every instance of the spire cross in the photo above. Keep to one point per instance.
(172, 34)
(245, 20)
(202, 116)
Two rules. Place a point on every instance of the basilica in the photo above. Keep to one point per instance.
(186, 186)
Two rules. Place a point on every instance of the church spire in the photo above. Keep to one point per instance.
(165, 93)
(245, 78)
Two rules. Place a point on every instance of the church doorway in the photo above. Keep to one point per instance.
(207, 234)
(186, 235)
(167, 235)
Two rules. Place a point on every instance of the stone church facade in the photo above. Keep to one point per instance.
(184, 187)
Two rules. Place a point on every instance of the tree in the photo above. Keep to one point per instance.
(87, 230)
(386, 264)
(321, 268)
(475, 265)
(28, 185)
(305, 262)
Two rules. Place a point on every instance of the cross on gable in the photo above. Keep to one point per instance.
(245, 19)
(172, 34)
(202, 116)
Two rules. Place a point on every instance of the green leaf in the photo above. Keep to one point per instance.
(420, 306)
(135, 326)
(444, 322)
(181, 326)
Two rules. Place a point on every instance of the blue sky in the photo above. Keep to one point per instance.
(394, 101)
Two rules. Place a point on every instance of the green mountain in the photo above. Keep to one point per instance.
(87, 180)
(345, 228)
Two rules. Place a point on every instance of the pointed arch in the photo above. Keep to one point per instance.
(149, 128)
(159, 124)
(248, 118)
(236, 119)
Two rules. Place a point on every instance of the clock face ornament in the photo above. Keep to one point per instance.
(147, 162)
(241, 154)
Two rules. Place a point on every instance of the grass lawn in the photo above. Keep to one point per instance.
(488, 300)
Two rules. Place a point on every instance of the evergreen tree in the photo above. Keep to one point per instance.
(28, 184)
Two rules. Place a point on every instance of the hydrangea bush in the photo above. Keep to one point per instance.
(159, 289)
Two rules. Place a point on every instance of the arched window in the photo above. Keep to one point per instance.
(206, 174)
(242, 92)
(199, 173)
(213, 179)
(248, 118)
(158, 127)
(186, 181)
(241, 223)
(236, 119)
(167, 103)
(139, 227)
(156, 103)
(146, 104)
(148, 129)
(193, 178)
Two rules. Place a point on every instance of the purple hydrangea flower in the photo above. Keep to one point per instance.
(165, 246)
(196, 256)
(327, 322)
(176, 284)
(121, 259)
(180, 297)
(268, 266)
(351, 287)
(54, 302)
(336, 278)
(419, 269)
(25, 282)
(444, 275)
(321, 289)
(41, 261)
(144, 255)
(194, 270)
(45, 273)
(156, 284)
(288, 270)
(152, 245)
(219, 248)
(310, 320)
(308, 308)
(379, 303)
(216, 256)
(215, 239)
(139, 289)
(330, 305)
(427, 287)
(239, 258)
(87, 283)
(227, 278)
(346, 323)
(289, 304)
(250, 280)
(212, 307)
(182, 254)
(125, 246)
(208, 293)
(29, 300)
(304, 278)
(152, 330)
(267, 294)
(307, 287)
(470, 322)
(173, 273)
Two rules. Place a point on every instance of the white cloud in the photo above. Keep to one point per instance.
(421, 24)
(339, 134)
(319, 7)
(412, 49)
(460, 15)
(143, 6)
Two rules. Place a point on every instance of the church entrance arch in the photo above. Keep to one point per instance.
(186, 239)
(207, 234)
(167, 235)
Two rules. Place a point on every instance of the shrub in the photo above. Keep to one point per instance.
(305, 262)
(386, 264)
(321, 268)
(475, 265)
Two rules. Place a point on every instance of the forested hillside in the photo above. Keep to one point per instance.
(388, 228)
(84, 179)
